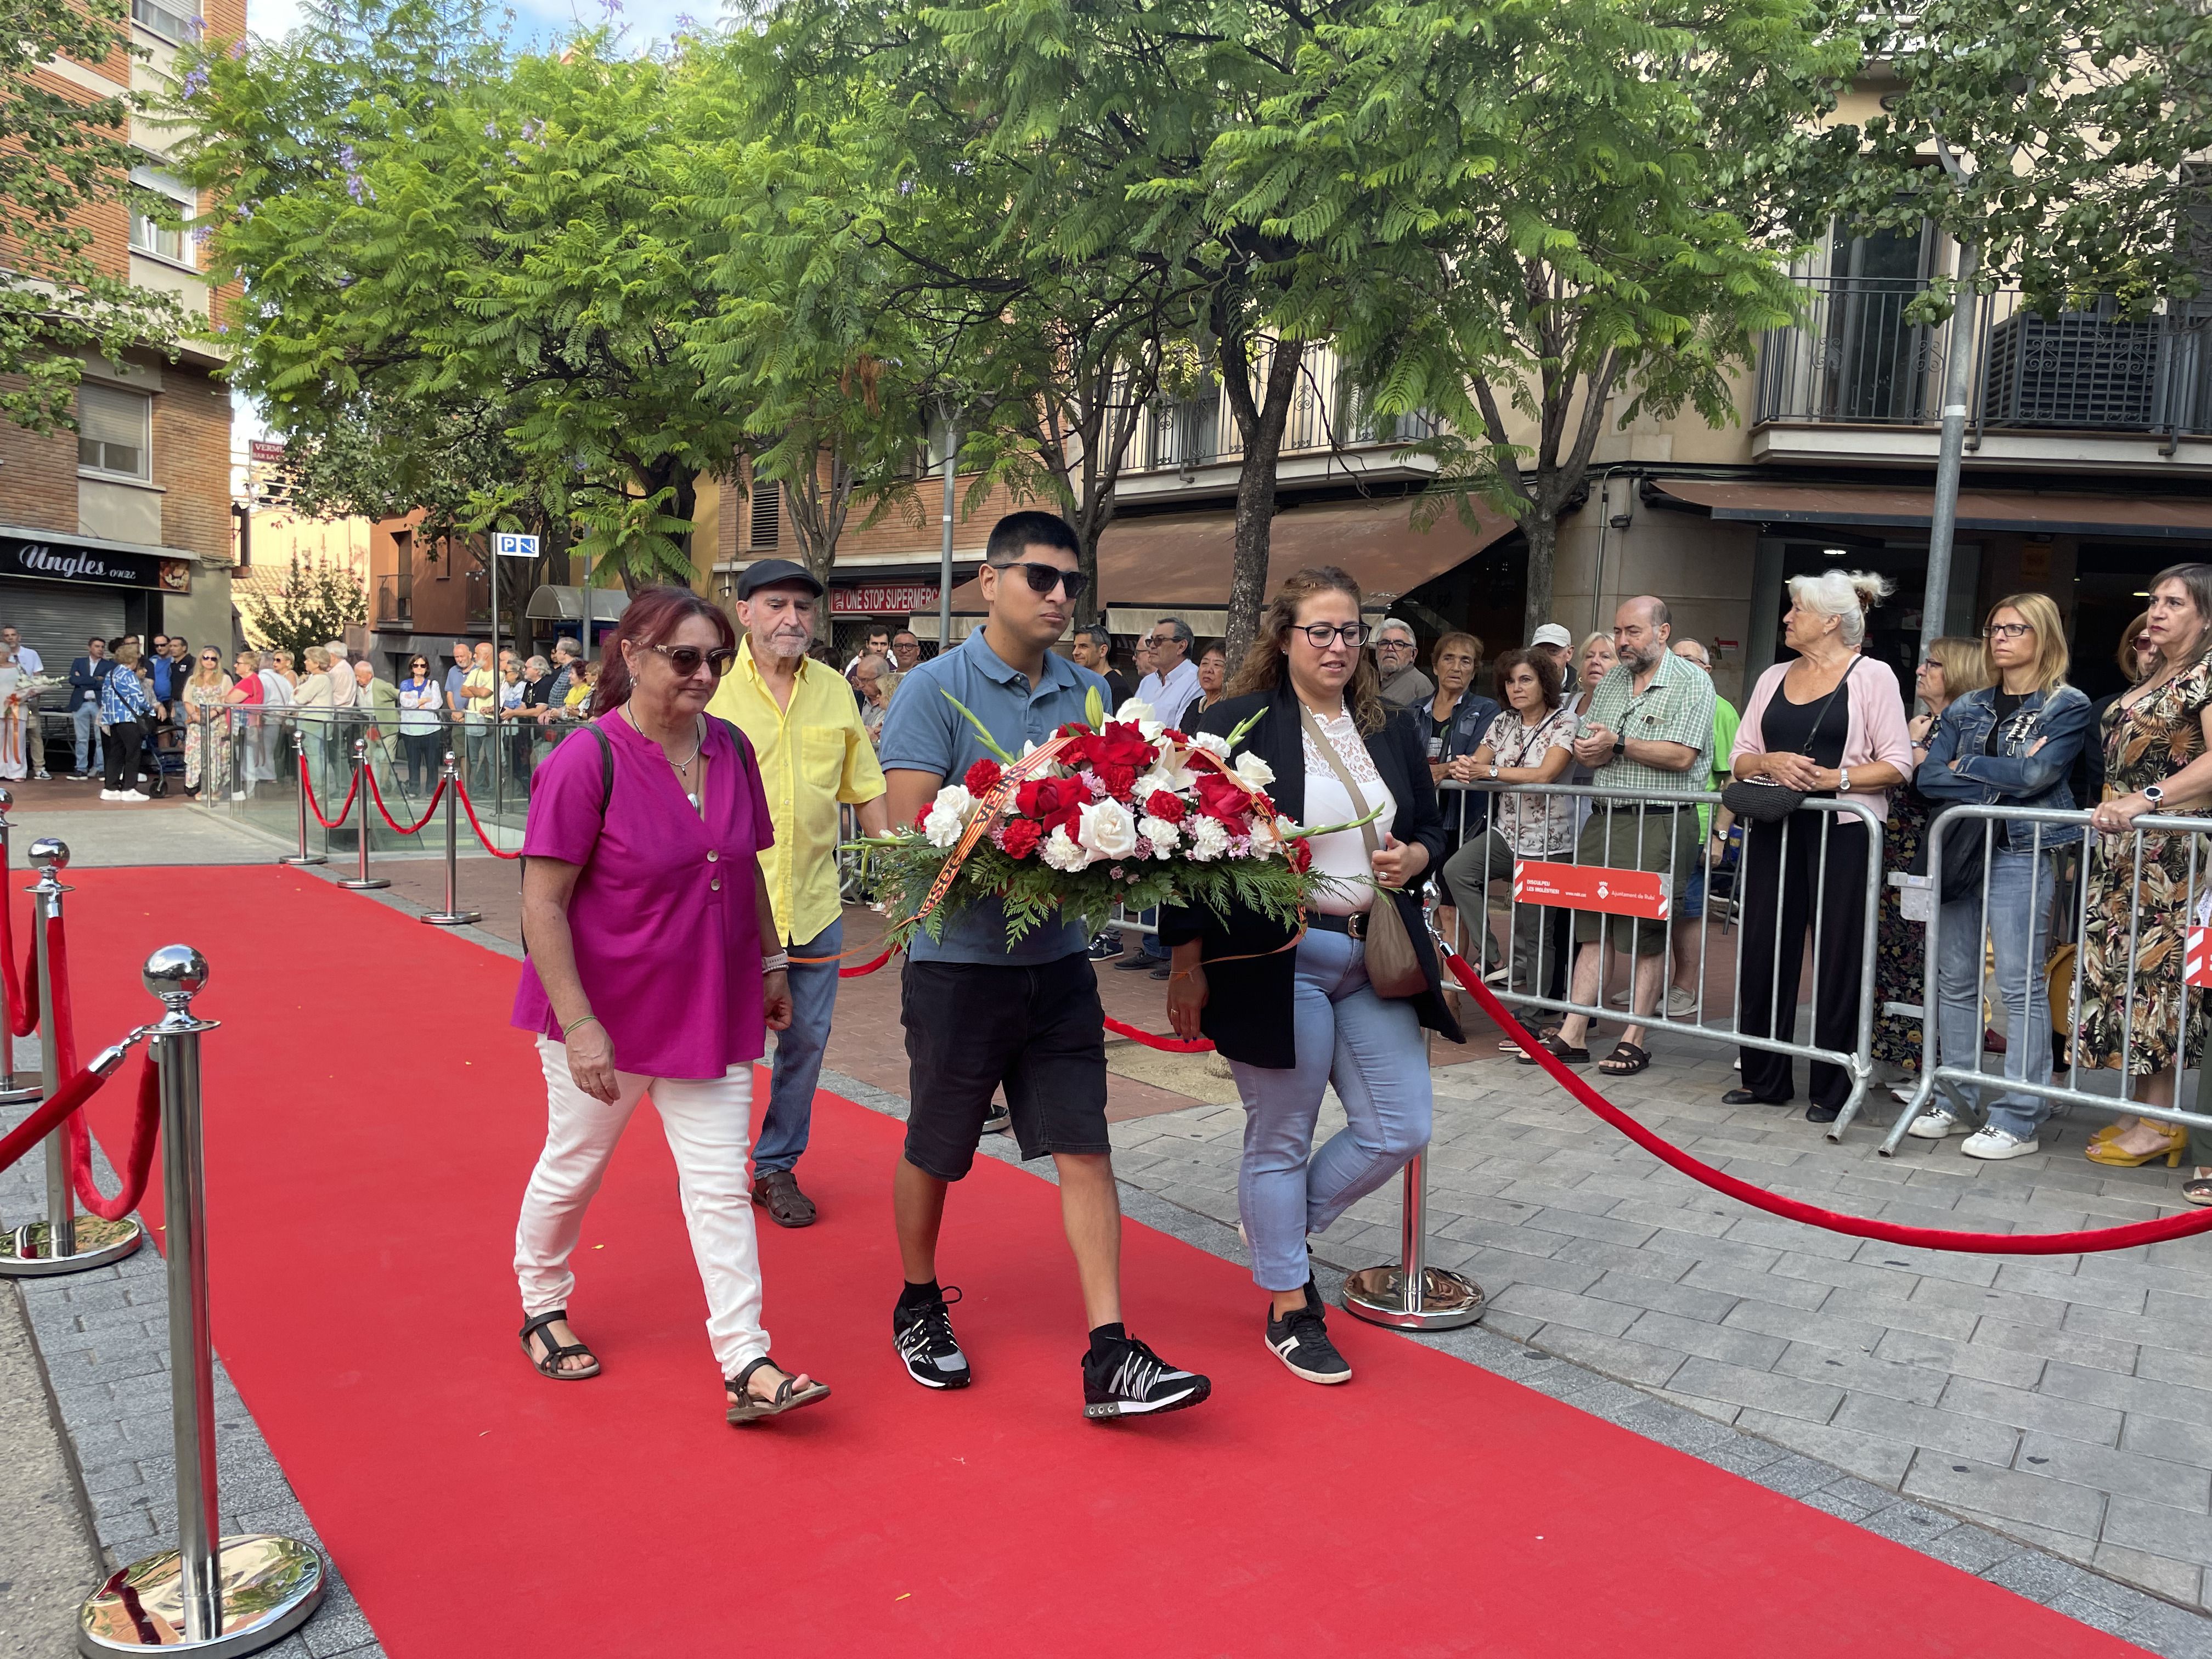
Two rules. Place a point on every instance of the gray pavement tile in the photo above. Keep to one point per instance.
(1617, 1259)
(1929, 1318)
(1947, 1432)
(1735, 1346)
(2038, 1577)
(1635, 1362)
(1765, 1287)
(2120, 1472)
(2073, 1288)
(2101, 1353)
(2144, 1329)
(1663, 1296)
(2165, 1365)
(2140, 1524)
(2013, 1308)
(2173, 1634)
(1495, 1269)
(2085, 1421)
(1950, 1355)
(1559, 1307)
(2189, 1443)
(1787, 1397)
(1830, 1330)
(1913, 1524)
(1970, 1548)
(1792, 1475)
(1871, 1457)
(1961, 1482)
(1861, 1374)
(2129, 1393)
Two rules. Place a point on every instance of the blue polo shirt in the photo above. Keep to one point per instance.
(924, 732)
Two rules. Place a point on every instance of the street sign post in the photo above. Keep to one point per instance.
(509, 546)
(505, 544)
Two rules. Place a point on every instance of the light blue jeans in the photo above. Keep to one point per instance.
(86, 720)
(798, 1054)
(1372, 1050)
(2020, 888)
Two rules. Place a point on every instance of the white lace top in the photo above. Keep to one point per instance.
(1342, 857)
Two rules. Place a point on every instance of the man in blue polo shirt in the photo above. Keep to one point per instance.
(980, 1011)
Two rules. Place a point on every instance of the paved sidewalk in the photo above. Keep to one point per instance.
(2065, 1401)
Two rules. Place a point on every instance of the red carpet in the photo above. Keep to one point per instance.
(371, 1120)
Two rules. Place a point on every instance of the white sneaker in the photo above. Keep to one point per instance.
(1994, 1143)
(238, 794)
(1681, 1004)
(1937, 1122)
(1496, 977)
(1618, 1000)
(110, 794)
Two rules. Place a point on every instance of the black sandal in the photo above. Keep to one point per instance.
(1626, 1060)
(2198, 1190)
(788, 1396)
(549, 1365)
(1566, 1056)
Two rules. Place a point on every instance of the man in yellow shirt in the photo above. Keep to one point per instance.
(814, 753)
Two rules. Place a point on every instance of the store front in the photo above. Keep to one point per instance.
(60, 590)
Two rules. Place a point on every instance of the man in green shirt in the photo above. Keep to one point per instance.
(1649, 732)
(1712, 828)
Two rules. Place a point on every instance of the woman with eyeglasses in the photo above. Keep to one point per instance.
(2010, 743)
(649, 974)
(1291, 1023)
(207, 729)
(422, 700)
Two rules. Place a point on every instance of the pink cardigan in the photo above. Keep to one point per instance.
(1877, 732)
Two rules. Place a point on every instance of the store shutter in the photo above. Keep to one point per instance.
(57, 619)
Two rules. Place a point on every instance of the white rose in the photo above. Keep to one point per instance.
(1062, 853)
(1253, 772)
(1209, 841)
(948, 815)
(1168, 773)
(1106, 830)
(1163, 836)
(1213, 744)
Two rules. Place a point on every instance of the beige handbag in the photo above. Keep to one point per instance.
(1393, 968)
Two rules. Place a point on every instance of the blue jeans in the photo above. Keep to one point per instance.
(1372, 1050)
(1150, 945)
(87, 722)
(2020, 887)
(798, 1054)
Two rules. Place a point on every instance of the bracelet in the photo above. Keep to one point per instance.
(568, 1030)
(777, 963)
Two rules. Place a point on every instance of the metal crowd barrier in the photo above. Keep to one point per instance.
(1613, 887)
(2119, 863)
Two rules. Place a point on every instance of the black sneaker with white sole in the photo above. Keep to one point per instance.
(923, 1335)
(1130, 1380)
(1300, 1340)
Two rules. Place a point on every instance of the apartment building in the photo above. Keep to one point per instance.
(126, 525)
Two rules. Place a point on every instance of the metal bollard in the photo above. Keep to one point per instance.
(211, 1595)
(11, 1094)
(65, 1242)
(300, 755)
(362, 879)
(452, 915)
(1408, 1293)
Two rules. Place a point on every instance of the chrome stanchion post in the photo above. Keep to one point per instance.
(1408, 1293)
(10, 1093)
(362, 879)
(65, 1242)
(452, 915)
(211, 1595)
(299, 759)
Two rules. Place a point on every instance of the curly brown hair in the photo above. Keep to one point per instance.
(1262, 668)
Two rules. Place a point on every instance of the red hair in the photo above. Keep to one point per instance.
(654, 615)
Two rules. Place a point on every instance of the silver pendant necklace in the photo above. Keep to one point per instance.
(682, 767)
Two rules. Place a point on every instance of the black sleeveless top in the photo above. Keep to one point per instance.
(1787, 727)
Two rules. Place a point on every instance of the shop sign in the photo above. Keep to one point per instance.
(883, 600)
(1591, 887)
(60, 561)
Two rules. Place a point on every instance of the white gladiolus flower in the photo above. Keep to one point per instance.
(948, 815)
(1062, 853)
(1168, 773)
(1163, 836)
(1209, 841)
(1133, 709)
(1214, 744)
(1253, 772)
(1106, 830)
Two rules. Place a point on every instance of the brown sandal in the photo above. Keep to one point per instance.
(550, 1363)
(1564, 1055)
(788, 1396)
(1626, 1060)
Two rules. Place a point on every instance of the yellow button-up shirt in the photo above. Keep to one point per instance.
(812, 756)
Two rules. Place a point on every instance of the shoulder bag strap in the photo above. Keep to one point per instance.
(1312, 728)
(1813, 730)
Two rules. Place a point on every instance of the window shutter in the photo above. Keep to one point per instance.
(767, 512)
(114, 430)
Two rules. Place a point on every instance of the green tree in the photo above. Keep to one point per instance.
(59, 151)
(317, 604)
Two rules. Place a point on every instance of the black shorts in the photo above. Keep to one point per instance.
(970, 1027)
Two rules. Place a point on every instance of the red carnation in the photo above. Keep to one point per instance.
(1224, 799)
(1118, 780)
(982, 777)
(1168, 808)
(1301, 854)
(1020, 838)
(921, 817)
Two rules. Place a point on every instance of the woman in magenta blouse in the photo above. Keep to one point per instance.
(644, 914)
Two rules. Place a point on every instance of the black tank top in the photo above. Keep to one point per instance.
(1787, 728)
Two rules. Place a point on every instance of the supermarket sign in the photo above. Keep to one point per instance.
(883, 600)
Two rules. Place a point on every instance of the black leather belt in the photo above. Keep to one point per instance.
(1354, 925)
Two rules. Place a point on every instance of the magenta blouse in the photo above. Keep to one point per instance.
(667, 942)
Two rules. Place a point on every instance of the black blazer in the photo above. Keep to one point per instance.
(1247, 1009)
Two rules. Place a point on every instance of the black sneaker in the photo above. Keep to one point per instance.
(1300, 1340)
(1132, 1381)
(1104, 945)
(998, 1120)
(923, 1336)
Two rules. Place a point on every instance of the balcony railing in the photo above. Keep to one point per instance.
(1860, 360)
(1327, 411)
(395, 602)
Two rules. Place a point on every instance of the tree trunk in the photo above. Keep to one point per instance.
(1263, 432)
(1540, 526)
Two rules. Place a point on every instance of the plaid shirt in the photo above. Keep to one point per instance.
(1677, 706)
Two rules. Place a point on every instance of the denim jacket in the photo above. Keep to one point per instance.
(2060, 720)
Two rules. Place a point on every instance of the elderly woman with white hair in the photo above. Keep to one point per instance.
(1827, 725)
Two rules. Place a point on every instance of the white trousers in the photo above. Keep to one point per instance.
(708, 1121)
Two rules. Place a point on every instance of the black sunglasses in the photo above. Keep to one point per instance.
(1043, 578)
(685, 658)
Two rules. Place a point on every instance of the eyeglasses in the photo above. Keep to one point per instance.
(1322, 636)
(1043, 578)
(685, 658)
(1930, 662)
(1394, 643)
(2006, 631)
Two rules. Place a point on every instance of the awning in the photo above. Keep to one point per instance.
(2043, 511)
(554, 603)
(1181, 562)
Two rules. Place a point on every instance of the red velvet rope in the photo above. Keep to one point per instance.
(470, 807)
(1889, 1233)
(63, 1034)
(135, 1167)
(865, 967)
(309, 789)
(22, 999)
(36, 1128)
(376, 794)
(1166, 1045)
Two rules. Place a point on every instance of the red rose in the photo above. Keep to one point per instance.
(1224, 799)
(1168, 808)
(1020, 838)
(1053, 802)
(1118, 780)
(982, 777)
(1301, 854)
(1119, 745)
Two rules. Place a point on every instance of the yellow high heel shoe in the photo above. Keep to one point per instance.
(2177, 1143)
(2109, 1132)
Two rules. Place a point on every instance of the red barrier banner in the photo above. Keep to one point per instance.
(2196, 958)
(1592, 887)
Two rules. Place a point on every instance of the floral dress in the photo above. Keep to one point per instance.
(207, 735)
(2145, 745)
(1900, 947)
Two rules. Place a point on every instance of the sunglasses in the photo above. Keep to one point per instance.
(211, 657)
(685, 658)
(1043, 578)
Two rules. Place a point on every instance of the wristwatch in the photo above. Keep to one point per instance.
(1620, 747)
(1842, 780)
(2153, 793)
(1493, 771)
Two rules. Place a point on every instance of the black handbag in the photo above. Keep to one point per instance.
(1761, 801)
(1961, 875)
